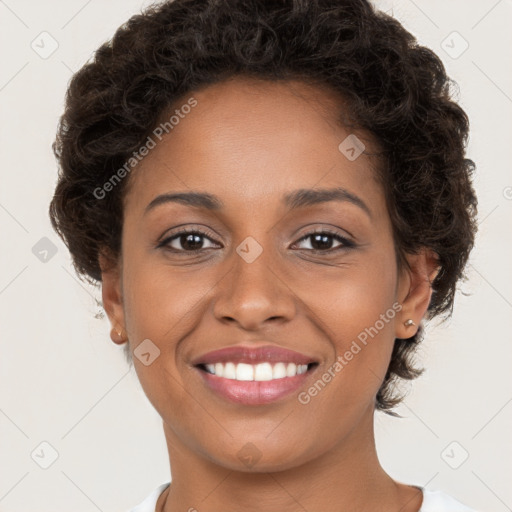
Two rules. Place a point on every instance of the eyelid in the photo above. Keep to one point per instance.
(346, 242)
(189, 228)
(192, 228)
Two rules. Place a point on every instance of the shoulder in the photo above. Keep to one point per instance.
(149, 504)
(438, 501)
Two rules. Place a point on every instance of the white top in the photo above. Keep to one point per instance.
(433, 501)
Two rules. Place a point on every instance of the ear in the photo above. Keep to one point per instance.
(112, 296)
(415, 290)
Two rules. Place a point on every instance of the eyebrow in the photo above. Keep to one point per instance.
(293, 200)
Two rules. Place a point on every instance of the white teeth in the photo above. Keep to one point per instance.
(291, 370)
(279, 371)
(263, 371)
(229, 371)
(259, 372)
(219, 369)
(243, 371)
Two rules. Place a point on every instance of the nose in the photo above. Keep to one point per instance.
(254, 294)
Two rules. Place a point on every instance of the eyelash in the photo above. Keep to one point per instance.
(346, 244)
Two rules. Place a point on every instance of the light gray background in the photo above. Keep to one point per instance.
(64, 382)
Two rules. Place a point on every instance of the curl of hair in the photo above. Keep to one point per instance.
(395, 89)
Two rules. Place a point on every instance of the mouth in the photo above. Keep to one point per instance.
(255, 376)
(259, 373)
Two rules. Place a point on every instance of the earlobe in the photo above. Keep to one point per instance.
(415, 291)
(118, 335)
(111, 291)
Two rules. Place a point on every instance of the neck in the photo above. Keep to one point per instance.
(348, 476)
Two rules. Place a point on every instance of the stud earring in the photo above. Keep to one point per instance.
(119, 333)
(409, 322)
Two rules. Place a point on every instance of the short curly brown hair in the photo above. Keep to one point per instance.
(395, 90)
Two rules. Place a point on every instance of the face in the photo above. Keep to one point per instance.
(279, 278)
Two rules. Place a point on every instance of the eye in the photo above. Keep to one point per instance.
(187, 240)
(193, 240)
(322, 241)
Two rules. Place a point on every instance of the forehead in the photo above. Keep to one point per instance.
(247, 140)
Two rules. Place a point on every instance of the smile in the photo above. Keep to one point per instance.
(259, 372)
(254, 375)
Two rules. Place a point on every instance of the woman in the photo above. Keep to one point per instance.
(273, 195)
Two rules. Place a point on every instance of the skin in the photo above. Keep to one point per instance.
(249, 143)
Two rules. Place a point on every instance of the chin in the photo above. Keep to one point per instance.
(259, 456)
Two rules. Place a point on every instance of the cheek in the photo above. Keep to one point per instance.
(358, 311)
(161, 302)
(160, 305)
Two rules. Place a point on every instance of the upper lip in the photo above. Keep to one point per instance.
(253, 355)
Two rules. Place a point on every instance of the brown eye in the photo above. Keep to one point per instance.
(187, 241)
(323, 241)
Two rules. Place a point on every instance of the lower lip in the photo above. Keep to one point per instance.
(254, 392)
